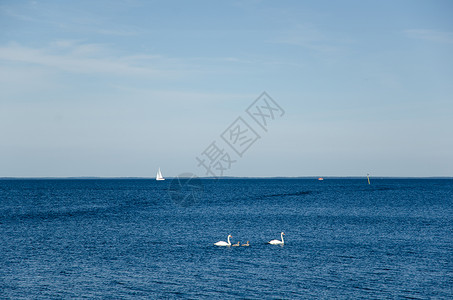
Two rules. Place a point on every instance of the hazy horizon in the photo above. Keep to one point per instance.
(237, 177)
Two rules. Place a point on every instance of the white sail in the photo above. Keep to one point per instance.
(159, 175)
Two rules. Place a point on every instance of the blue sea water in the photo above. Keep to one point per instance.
(125, 238)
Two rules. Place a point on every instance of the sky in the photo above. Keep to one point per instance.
(121, 88)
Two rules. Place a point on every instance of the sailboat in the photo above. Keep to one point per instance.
(159, 175)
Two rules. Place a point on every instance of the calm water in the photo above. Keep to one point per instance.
(129, 239)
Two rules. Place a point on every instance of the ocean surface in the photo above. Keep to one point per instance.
(139, 238)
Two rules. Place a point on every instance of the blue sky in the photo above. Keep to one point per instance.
(120, 88)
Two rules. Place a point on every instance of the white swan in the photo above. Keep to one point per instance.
(277, 242)
(222, 243)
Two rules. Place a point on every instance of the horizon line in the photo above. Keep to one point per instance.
(226, 177)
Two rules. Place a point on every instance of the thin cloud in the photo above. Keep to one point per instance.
(118, 32)
(80, 22)
(430, 35)
(309, 38)
(22, 17)
(71, 56)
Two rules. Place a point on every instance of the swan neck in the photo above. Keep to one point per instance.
(282, 237)
(229, 243)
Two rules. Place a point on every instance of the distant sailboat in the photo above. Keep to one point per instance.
(368, 177)
(159, 175)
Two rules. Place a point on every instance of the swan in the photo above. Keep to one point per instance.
(246, 244)
(277, 242)
(235, 245)
(222, 243)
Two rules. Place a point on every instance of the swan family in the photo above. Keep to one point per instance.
(273, 242)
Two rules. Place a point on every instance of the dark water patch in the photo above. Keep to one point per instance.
(281, 195)
(50, 215)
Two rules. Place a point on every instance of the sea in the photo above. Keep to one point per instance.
(148, 239)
